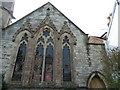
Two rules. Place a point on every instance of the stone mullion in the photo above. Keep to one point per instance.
(43, 67)
(28, 62)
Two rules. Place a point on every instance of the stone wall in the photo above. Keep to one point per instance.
(96, 56)
(6, 54)
(86, 57)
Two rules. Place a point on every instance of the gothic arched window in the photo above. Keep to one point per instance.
(43, 63)
(20, 59)
(66, 59)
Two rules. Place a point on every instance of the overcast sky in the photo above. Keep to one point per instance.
(89, 15)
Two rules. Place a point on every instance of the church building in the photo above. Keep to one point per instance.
(46, 49)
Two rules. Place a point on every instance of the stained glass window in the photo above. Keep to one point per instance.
(20, 59)
(25, 37)
(38, 63)
(45, 46)
(40, 40)
(49, 64)
(50, 40)
(39, 49)
(65, 40)
(46, 33)
(66, 60)
(44, 55)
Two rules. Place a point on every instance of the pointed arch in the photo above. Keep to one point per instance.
(44, 32)
(45, 37)
(17, 37)
(66, 59)
(18, 69)
(95, 81)
(67, 44)
(47, 21)
(25, 28)
(66, 30)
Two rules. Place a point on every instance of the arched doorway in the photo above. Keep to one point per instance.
(96, 82)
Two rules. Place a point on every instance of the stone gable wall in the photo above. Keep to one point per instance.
(83, 67)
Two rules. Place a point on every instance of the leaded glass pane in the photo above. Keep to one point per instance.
(37, 74)
(20, 60)
(46, 33)
(50, 40)
(40, 40)
(25, 38)
(66, 62)
(49, 64)
(66, 40)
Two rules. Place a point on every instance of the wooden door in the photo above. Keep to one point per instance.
(96, 82)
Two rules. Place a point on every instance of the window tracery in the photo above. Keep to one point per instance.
(40, 40)
(44, 55)
(46, 33)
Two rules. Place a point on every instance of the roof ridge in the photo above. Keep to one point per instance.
(53, 7)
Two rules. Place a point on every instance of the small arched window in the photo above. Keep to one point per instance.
(20, 59)
(66, 59)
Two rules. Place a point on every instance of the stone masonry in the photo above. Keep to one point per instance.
(86, 55)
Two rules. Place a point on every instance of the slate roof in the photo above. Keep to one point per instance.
(95, 40)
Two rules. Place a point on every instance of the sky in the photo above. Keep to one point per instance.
(88, 15)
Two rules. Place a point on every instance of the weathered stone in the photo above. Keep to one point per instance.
(85, 57)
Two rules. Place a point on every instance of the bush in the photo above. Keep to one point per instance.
(4, 84)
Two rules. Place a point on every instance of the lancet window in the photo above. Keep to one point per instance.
(20, 59)
(66, 59)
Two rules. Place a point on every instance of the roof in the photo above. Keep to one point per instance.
(8, 12)
(95, 40)
(8, 5)
(53, 7)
